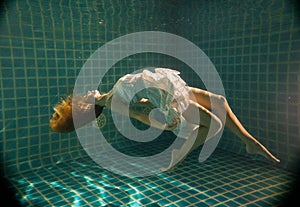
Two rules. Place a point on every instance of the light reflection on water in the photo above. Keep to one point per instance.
(77, 184)
(83, 183)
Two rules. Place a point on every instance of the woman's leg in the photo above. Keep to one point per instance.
(209, 124)
(218, 103)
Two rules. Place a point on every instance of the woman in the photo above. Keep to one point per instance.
(164, 89)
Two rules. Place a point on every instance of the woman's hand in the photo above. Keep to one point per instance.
(171, 127)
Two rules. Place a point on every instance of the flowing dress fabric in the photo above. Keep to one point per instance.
(163, 88)
(167, 91)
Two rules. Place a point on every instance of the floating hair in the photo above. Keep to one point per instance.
(62, 119)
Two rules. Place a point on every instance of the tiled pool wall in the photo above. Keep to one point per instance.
(254, 45)
(255, 48)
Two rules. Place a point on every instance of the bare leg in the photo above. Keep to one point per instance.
(209, 126)
(196, 112)
(252, 145)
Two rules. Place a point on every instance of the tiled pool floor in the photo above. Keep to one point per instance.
(223, 180)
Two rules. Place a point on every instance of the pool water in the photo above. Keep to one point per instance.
(254, 46)
(225, 179)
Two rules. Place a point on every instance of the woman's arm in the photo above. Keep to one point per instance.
(144, 118)
(140, 115)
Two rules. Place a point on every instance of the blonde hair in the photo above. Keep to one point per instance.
(62, 118)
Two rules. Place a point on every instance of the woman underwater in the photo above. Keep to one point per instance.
(179, 108)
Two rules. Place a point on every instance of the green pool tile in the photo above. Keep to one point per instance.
(232, 203)
(164, 202)
(43, 46)
(71, 181)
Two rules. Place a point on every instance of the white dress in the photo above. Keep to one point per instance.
(163, 87)
(167, 91)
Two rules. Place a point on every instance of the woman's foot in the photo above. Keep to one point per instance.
(254, 147)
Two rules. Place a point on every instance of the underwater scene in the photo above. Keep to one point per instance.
(149, 103)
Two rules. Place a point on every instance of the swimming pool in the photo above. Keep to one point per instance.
(254, 47)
